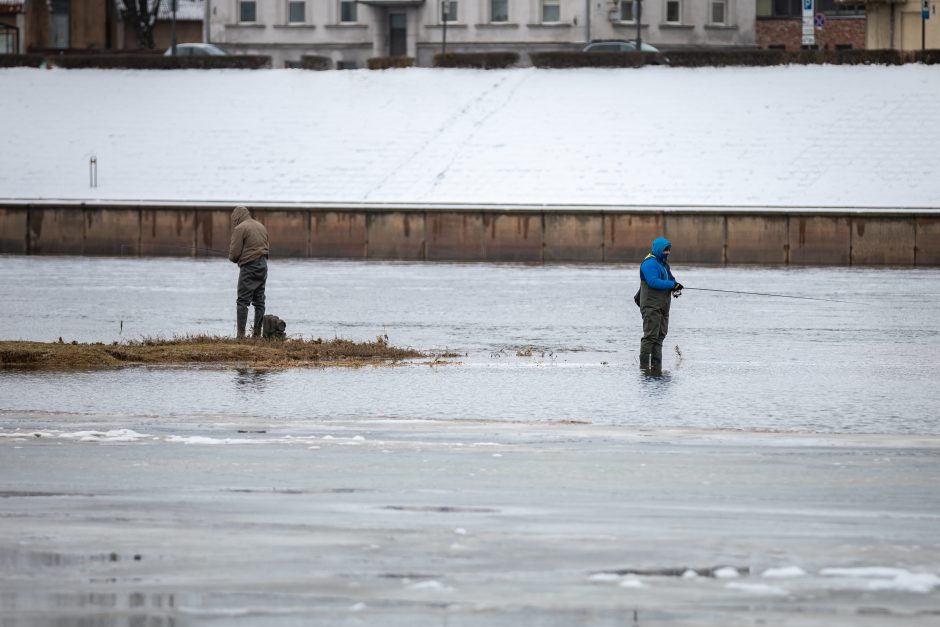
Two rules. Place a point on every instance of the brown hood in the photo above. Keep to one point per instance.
(239, 215)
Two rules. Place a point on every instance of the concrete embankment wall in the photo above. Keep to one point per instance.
(529, 234)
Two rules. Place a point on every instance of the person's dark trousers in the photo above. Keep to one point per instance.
(251, 279)
(655, 327)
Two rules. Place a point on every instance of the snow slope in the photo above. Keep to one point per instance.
(850, 136)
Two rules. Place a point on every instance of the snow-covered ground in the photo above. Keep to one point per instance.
(791, 136)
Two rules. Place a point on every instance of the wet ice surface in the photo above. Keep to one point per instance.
(466, 523)
(746, 362)
(169, 496)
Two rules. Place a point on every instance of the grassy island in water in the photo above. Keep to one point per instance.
(201, 350)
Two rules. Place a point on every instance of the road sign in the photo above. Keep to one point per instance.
(820, 20)
(809, 33)
(925, 9)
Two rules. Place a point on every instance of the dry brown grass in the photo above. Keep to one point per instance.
(203, 350)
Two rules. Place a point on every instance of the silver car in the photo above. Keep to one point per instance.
(617, 45)
(196, 50)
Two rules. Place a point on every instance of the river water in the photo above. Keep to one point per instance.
(731, 361)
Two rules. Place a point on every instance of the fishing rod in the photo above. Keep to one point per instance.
(828, 300)
(175, 247)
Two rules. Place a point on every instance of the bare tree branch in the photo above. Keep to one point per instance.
(143, 15)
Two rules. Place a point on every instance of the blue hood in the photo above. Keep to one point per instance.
(659, 245)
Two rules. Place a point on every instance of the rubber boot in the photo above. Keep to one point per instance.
(241, 319)
(656, 360)
(646, 347)
(259, 318)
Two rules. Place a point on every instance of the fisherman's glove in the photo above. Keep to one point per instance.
(677, 290)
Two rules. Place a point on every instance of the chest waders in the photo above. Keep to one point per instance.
(654, 307)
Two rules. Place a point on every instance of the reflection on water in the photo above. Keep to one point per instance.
(539, 343)
(88, 609)
(251, 381)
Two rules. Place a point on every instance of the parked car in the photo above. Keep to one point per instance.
(625, 45)
(617, 45)
(196, 50)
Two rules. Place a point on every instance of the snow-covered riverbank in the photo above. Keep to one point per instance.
(822, 136)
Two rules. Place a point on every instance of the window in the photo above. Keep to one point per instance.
(247, 11)
(673, 11)
(780, 8)
(551, 10)
(626, 10)
(499, 10)
(347, 11)
(60, 23)
(8, 39)
(834, 7)
(296, 12)
(449, 10)
(718, 11)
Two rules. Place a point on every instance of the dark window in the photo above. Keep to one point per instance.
(626, 10)
(60, 23)
(9, 39)
(673, 11)
(779, 8)
(347, 11)
(833, 7)
(247, 11)
(296, 12)
(499, 10)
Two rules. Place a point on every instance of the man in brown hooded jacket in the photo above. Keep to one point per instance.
(249, 249)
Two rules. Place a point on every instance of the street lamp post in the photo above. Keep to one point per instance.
(173, 28)
(924, 16)
(638, 9)
(445, 10)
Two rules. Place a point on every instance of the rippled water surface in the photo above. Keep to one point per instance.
(732, 361)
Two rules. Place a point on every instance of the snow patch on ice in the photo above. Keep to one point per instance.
(430, 585)
(632, 582)
(756, 588)
(727, 572)
(784, 572)
(201, 439)
(604, 577)
(885, 578)
(862, 571)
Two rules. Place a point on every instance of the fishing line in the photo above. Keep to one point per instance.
(828, 300)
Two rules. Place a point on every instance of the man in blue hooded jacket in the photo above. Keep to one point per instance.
(656, 286)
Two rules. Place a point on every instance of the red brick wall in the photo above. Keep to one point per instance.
(837, 31)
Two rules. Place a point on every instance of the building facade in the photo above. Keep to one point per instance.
(780, 24)
(80, 25)
(350, 32)
(900, 24)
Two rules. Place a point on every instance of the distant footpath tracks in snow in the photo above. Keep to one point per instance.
(901, 236)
